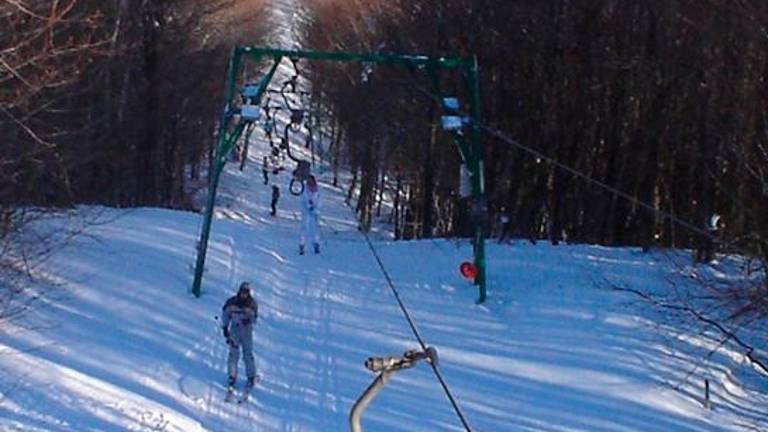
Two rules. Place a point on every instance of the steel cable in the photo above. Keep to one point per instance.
(415, 331)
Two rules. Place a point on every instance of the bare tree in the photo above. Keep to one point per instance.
(104, 102)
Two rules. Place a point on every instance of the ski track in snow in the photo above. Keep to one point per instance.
(217, 407)
(550, 350)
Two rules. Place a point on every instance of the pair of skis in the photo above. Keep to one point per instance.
(232, 396)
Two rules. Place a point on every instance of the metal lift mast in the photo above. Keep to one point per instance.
(241, 116)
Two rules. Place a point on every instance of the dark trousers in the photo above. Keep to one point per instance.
(266, 176)
(705, 253)
(505, 233)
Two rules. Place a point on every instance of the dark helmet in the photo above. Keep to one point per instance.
(245, 288)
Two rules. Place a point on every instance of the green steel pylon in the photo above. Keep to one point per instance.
(233, 123)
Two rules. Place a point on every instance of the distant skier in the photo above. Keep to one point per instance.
(705, 253)
(239, 314)
(504, 226)
(275, 198)
(309, 223)
(265, 169)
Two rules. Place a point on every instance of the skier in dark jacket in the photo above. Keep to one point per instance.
(265, 169)
(239, 315)
(504, 226)
(705, 253)
(275, 198)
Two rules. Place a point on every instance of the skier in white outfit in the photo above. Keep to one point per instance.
(309, 218)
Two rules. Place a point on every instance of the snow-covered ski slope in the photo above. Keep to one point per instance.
(123, 345)
(119, 343)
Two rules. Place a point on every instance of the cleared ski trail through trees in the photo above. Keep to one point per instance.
(129, 348)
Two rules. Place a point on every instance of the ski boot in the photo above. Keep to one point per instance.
(247, 390)
(230, 396)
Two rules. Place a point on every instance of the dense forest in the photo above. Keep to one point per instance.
(664, 101)
(607, 122)
(110, 101)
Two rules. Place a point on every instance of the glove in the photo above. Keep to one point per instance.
(231, 342)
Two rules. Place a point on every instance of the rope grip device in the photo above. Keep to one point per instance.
(407, 360)
(300, 175)
(303, 168)
(385, 367)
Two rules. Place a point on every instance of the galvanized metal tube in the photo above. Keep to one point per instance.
(357, 410)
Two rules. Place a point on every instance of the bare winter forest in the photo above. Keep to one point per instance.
(116, 102)
(111, 101)
(664, 100)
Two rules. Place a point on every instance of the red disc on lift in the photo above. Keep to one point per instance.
(468, 270)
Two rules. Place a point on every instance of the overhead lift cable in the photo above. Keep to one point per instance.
(576, 173)
(415, 331)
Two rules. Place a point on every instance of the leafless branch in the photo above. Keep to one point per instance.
(749, 351)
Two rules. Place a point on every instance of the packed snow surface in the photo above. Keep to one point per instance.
(119, 343)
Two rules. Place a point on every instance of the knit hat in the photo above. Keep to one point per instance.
(245, 287)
